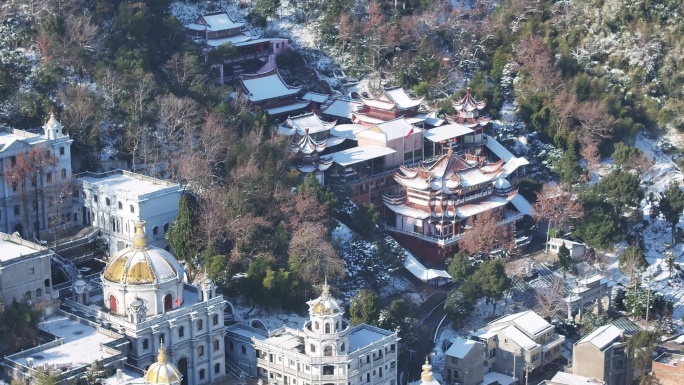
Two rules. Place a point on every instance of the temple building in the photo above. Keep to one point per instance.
(311, 139)
(434, 202)
(327, 350)
(216, 29)
(468, 113)
(269, 92)
(390, 104)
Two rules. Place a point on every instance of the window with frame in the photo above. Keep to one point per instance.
(200, 324)
(108, 202)
(155, 231)
(146, 344)
(120, 205)
(132, 208)
(95, 198)
(48, 177)
(217, 345)
(243, 349)
(17, 210)
(217, 368)
(61, 151)
(14, 186)
(215, 319)
(181, 331)
(200, 351)
(202, 374)
(312, 347)
(63, 173)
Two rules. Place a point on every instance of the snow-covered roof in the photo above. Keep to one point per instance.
(287, 108)
(497, 378)
(216, 21)
(401, 98)
(602, 336)
(300, 123)
(234, 40)
(568, 243)
(470, 209)
(574, 379)
(513, 164)
(359, 154)
(421, 272)
(396, 129)
(460, 347)
(315, 97)
(348, 131)
(13, 247)
(334, 141)
(267, 85)
(520, 338)
(499, 150)
(363, 335)
(342, 108)
(408, 211)
(285, 340)
(529, 321)
(430, 118)
(449, 131)
(521, 204)
(128, 183)
(358, 117)
(82, 344)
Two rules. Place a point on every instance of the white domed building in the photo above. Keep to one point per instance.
(146, 298)
(327, 350)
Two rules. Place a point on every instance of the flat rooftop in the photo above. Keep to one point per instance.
(364, 335)
(12, 247)
(128, 182)
(9, 137)
(81, 344)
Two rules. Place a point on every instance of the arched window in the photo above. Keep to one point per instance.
(181, 331)
(39, 293)
(316, 325)
(328, 351)
(120, 205)
(27, 296)
(146, 344)
(61, 151)
(155, 231)
(327, 327)
(168, 303)
(342, 346)
(108, 202)
(112, 304)
(166, 227)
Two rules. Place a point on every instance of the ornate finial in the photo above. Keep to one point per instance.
(161, 357)
(139, 238)
(326, 288)
(450, 151)
(426, 375)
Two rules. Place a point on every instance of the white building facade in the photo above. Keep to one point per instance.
(115, 200)
(41, 200)
(25, 271)
(328, 350)
(146, 299)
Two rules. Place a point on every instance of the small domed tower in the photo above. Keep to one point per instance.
(426, 375)
(327, 331)
(53, 129)
(162, 371)
(80, 291)
(208, 289)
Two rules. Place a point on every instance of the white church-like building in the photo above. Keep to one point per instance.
(328, 350)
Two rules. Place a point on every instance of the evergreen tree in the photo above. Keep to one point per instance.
(460, 267)
(564, 258)
(458, 306)
(672, 205)
(493, 281)
(180, 234)
(567, 167)
(364, 308)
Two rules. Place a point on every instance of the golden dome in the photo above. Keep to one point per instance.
(325, 304)
(162, 371)
(426, 375)
(142, 264)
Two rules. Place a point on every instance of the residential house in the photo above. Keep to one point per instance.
(524, 341)
(603, 354)
(464, 362)
(668, 368)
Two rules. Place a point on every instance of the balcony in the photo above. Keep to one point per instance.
(556, 340)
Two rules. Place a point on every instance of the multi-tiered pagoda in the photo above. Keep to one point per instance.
(434, 203)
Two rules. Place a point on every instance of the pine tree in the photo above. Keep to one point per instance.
(364, 308)
(564, 258)
(460, 267)
(672, 206)
(181, 233)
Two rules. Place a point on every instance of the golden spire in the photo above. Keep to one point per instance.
(161, 356)
(139, 238)
(426, 375)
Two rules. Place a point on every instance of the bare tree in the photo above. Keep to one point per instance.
(550, 298)
(556, 205)
(185, 70)
(312, 256)
(485, 235)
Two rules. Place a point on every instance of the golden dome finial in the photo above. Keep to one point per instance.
(161, 356)
(139, 238)
(426, 375)
(326, 288)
